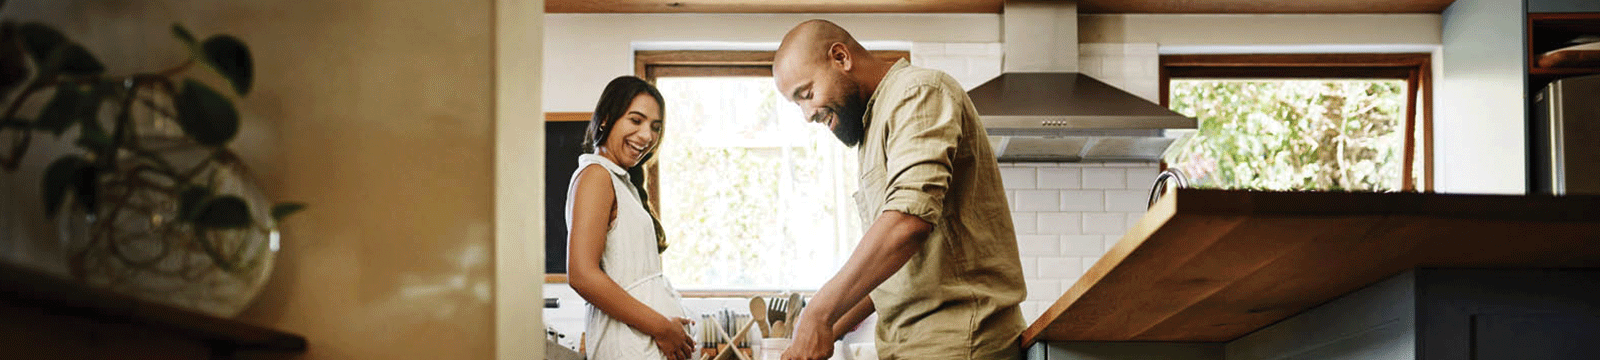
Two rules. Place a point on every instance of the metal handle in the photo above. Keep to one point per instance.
(1170, 175)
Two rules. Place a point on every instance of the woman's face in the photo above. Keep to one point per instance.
(635, 134)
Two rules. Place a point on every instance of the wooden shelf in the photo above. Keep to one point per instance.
(1212, 265)
(1551, 31)
(57, 298)
(1539, 71)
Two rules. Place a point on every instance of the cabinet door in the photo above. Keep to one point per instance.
(1549, 6)
(1535, 337)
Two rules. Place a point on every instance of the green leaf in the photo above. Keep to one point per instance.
(206, 115)
(225, 212)
(88, 187)
(40, 40)
(18, 124)
(93, 137)
(73, 59)
(283, 210)
(58, 177)
(182, 34)
(229, 56)
(66, 108)
(190, 201)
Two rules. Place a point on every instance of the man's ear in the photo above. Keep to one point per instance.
(839, 56)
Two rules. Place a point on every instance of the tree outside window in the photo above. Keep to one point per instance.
(1342, 135)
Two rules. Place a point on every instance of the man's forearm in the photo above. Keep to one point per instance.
(852, 318)
(891, 241)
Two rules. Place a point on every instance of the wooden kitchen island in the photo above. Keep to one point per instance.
(1203, 270)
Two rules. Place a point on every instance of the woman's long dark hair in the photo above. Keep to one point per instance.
(614, 102)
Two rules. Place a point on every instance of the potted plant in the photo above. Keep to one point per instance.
(154, 204)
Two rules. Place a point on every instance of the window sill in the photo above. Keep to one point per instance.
(704, 294)
(708, 294)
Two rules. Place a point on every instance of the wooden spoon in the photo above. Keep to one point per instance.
(758, 312)
(794, 313)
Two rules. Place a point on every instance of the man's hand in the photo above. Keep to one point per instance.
(813, 339)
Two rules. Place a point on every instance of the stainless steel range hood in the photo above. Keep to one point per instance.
(1041, 110)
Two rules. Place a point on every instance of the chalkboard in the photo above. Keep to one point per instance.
(563, 143)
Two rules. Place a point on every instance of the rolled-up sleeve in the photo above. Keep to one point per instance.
(922, 134)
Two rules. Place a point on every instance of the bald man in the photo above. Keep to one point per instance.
(939, 258)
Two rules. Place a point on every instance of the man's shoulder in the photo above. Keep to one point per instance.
(913, 76)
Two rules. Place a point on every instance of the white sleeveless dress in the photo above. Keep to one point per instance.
(631, 259)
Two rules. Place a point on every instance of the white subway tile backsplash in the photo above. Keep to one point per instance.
(1089, 65)
(1038, 200)
(1104, 223)
(1142, 177)
(1060, 267)
(1114, 81)
(1083, 200)
(1038, 245)
(1151, 66)
(1024, 223)
(972, 49)
(1011, 199)
(1030, 308)
(1088, 263)
(1095, 202)
(1058, 178)
(1111, 241)
(1126, 200)
(1018, 178)
(1082, 245)
(947, 64)
(1133, 68)
(1133, 218)
(1066, 284)
(1061, 223)
(927, 49)
(1044, 290)
(1151, 94)
(1104, 178)
(1099, 49)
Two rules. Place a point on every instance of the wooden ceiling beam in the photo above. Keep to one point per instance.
(996, 6)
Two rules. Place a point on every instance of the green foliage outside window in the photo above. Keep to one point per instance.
(1341, 135)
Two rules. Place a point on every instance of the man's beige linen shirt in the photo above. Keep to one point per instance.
(926, 154)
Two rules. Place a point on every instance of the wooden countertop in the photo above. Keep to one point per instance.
(1213, 265)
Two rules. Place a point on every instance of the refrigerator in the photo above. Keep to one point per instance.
(1565, 144)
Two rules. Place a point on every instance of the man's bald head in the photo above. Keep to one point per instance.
(810, 42)
(821, 68)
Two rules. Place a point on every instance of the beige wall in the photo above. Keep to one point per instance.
(1206, 29)
(380, 115)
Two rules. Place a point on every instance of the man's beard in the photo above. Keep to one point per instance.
(850, 128)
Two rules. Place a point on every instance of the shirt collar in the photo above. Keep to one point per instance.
(604, 162)
(866, 118)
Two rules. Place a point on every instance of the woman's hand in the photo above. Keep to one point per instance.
(674, 342)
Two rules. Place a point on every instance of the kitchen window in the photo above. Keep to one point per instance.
(751, 196)
(1343, 122)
